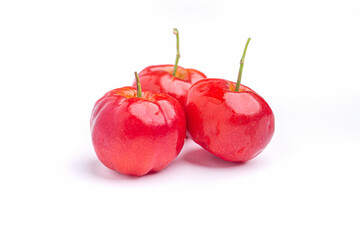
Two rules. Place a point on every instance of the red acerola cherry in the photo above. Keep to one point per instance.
(135, 133)
(228, 119)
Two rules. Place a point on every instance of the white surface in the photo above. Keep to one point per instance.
(58, 57)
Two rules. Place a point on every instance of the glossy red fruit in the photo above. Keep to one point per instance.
(159, 78)
(235, 126)
(136, 135)
(170, 79)
(229, 119)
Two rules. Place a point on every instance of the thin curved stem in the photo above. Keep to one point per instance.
(176, 32)
(138, 86)
(241, 66)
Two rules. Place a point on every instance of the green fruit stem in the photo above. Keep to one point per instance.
(138, 86)
(241, 66)
(176, 32)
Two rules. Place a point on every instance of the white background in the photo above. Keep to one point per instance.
(58, 57)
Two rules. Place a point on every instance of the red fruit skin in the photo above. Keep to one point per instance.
(135, 135)
(159, 78)
(235, 126)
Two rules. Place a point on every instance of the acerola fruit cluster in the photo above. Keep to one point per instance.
(136, 132)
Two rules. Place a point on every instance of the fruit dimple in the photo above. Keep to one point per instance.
(232, 86)
(181, 73)
(131, 92)
(127, 92)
